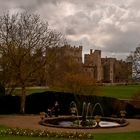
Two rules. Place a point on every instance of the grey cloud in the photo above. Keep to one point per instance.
(80, 22)
(30, 5)
(115, 24)
(70, 31)
(135, 4)
(83, 42)
(123, 42)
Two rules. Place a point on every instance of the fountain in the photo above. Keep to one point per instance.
(85, 120)
(84, 113)
(101, 109)
(73, 109)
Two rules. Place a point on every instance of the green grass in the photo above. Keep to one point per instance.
(2, 127)
(122, 92)
(103, 136)
(30, 90)
(118, 136)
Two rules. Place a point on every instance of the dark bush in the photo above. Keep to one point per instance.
(9, 104)
(2, 90)
(130, 111)
(40, 102)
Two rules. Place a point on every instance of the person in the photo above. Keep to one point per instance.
(56, 109)
(49, 112)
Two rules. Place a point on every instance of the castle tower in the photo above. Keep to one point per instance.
(94, 60)
(108, 65)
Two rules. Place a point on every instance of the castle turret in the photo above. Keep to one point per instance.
(94, 59)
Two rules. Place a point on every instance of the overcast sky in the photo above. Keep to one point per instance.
(112, 26)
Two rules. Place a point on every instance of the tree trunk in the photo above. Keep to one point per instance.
(23, 98)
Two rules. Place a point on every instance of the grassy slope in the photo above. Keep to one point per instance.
(123, 92)
(31, 90)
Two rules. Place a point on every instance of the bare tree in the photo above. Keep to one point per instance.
(22, 37)
(80, 83)
(66, 72)
(134, 57)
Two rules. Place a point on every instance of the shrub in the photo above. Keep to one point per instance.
(2, 90)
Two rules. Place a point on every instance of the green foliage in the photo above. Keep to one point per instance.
(2, 127)
(88, 123)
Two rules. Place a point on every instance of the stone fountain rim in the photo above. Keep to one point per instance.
(44, 122)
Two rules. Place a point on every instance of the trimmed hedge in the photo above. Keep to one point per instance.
(40, 102)
(9, 104)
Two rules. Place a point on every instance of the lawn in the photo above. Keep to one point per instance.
(30, 90)
(118, 136)
(120, 91)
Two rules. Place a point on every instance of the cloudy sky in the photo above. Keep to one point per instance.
(112, 26)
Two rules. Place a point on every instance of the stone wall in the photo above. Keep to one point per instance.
(108, 70)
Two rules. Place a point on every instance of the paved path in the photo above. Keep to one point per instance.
(31, 121)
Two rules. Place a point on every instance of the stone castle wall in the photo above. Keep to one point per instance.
(100, 69)
(108, 70)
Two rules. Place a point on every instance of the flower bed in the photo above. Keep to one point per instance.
(44, 133)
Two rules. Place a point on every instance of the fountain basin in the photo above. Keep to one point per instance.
(68, 122)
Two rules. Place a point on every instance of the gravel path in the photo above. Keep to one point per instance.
(31, 122)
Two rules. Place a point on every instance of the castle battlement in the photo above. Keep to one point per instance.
(107, 69)
(100, 69)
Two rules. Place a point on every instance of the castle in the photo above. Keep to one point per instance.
(107, 70)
